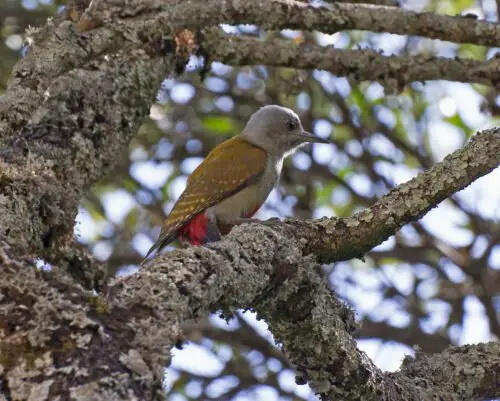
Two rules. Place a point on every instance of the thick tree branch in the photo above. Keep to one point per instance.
(456, 368)
(393, 71)
(58, 342)
(281, 14)
(252, 266)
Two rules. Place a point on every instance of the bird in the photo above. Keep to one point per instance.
(235, 179)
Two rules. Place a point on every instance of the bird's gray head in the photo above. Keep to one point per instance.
(278, 130)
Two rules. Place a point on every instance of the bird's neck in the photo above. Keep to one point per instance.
(275, 156)
(277, 162)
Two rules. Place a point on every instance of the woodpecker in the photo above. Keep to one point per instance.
(235, 179)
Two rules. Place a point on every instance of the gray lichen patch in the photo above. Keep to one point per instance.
(56, 346)
(74, 147)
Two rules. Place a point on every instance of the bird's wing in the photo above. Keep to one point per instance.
(228, 169)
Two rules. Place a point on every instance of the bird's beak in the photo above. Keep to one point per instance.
(308, 137)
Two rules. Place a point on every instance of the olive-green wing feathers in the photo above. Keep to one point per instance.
(229, 168)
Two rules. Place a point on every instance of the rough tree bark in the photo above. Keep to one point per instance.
(58, 340)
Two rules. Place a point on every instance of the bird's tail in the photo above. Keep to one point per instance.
(162, 242)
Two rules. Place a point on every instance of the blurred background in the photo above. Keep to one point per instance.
(435, 283)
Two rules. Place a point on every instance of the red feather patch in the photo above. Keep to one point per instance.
(195, 231)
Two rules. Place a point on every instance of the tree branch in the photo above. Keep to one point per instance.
(411, 336)
(456, 368)
(341, 239)
(393, 3)
(391, 71)
(331, 18)
(58, 342)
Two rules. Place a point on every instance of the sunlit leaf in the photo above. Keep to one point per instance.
(218, 125)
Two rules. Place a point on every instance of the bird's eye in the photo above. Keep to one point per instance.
(292, 124)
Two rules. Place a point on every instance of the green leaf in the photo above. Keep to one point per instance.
(458, 122)
(342, 133)
(472, 51)
(323, 195)
(343, 210)
(343, 173)
(130, 185)
(218, 125)
(132, 218)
